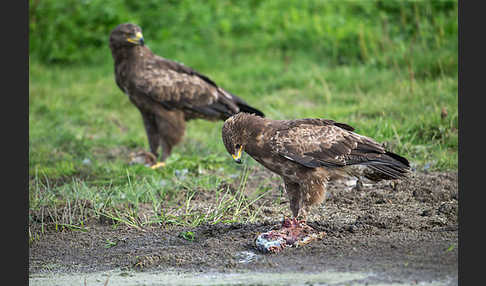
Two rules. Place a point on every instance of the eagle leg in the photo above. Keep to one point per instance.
(166, 149)
(159, 134)
(170, 129)
(293, 232)
(152, 132)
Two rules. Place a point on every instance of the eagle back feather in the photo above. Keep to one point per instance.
(221, 100)
(176, 86)
(319, 142)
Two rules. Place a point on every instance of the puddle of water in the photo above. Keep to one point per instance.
(123, 278)
(246, 257)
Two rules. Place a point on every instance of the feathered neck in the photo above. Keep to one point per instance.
(250, 123)
(129, 53)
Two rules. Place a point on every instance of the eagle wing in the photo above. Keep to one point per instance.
(175, 85)
(325, 143)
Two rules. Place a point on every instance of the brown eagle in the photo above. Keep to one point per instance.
(166, 93)
(307, 153)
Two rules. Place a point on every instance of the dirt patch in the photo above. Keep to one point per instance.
(402, 230)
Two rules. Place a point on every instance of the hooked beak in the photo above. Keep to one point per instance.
(237, 157)
(137, 40)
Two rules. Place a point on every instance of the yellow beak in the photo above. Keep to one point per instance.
(138, 39)
(237, 157)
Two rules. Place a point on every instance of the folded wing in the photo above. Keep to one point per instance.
(177, 86)
(324, 143)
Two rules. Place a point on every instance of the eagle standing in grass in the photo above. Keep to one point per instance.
(166, 93)
(306, 153)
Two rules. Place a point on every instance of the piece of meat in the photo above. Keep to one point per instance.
(293, 233)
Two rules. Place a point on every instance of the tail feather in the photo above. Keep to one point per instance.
(242, 105)
(389, 166)
(385, 172)
(399, 158)
(248, 109)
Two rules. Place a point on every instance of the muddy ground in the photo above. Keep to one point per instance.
(404, 232)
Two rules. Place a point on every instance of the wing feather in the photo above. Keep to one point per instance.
(175, 85)
(316, 143)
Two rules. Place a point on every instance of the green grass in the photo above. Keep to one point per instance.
(79, 113)
(82, 127)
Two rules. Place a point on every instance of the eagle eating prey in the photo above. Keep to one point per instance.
(306, 153)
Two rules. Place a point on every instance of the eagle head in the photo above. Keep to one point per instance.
(126, 35)
(235, 134)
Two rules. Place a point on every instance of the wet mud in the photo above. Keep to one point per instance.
(402, 231)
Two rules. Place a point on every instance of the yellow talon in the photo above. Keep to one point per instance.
(157, 165)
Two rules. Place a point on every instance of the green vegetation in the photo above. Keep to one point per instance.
(187, 235)
(387, 68)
